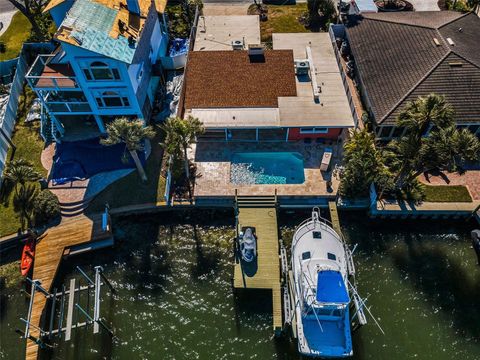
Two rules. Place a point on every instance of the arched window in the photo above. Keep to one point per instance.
(98, 64)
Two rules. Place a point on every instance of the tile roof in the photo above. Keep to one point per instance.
(398, 60)
(227, 79)
(94, 25)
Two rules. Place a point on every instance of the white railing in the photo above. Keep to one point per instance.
(36, 70)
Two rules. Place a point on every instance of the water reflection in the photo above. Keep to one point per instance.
(175, 299)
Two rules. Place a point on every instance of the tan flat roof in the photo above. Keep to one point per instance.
(237, 117)
(218, 32)
(333, 109)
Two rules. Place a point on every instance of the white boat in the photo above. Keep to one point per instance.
(321, 264)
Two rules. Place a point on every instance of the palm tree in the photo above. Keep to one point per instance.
(423, 112)
(23, 202)
(131, 133)
(445, 147)
(19, 172)
(179, 135)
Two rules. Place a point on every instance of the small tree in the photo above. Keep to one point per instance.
(23, 202)
(179, 135)
(132, 133)
(46, 207)
(362, 166)
(19, 172)
(321, 11)
(32, 9)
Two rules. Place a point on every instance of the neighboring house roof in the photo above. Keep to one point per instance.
(398, 60)
(218, 32)
(94, 25)
(159, 4)
(227, 79)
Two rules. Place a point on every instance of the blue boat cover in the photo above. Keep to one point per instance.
(331, 288)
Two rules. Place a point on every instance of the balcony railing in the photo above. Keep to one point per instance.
(46, 74)
(66, 107)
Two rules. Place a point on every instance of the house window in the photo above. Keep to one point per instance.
(398, 132)
(101, 71)
(385, 131)
(109, 99)
(315, 130)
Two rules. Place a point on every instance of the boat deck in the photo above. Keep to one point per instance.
(267, 274)
(49, 252)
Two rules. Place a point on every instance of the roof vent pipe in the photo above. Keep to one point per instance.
(133, 6)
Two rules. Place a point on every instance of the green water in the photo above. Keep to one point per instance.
(174, 298)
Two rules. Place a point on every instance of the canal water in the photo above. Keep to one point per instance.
(174, 298)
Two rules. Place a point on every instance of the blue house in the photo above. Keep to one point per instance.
(107, 64)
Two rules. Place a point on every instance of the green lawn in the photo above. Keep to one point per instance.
(130, 190)
(16, 34)
(281, 19)
(29, 145)
(447, 193)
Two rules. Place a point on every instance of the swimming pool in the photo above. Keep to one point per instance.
(267, 168)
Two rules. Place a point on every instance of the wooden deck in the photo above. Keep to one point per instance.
(267, 276)
(332, 206)
(48, 255)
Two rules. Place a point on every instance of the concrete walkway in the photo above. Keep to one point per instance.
(425, 5)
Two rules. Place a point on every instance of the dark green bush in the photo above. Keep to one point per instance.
(46, 207)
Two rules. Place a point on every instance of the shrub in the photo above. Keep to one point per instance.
(46, 207)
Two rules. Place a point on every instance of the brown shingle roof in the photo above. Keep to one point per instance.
(398, 60)
(220, 79)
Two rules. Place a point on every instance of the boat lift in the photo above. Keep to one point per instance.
(59, 299)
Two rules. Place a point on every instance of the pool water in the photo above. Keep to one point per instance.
(267, 168)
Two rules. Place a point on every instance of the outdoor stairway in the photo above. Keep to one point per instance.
(256, 201)
(74, 208)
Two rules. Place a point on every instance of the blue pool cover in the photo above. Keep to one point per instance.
(331, 288)
(80, 160)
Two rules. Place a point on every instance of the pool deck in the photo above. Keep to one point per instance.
(213, 169)
(267, 274)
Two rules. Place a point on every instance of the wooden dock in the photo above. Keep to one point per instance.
(332, 206)
(49, 251)
(262, 214)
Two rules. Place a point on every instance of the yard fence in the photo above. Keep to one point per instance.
(14, 71)
(337, 31)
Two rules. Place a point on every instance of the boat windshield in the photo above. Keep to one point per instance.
(322, 312)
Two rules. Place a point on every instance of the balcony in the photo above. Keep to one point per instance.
(68, 107)
(45, 74)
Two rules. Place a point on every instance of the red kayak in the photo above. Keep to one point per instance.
(28, 254)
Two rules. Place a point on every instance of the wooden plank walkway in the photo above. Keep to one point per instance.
(332, 206)
(264, 219)
(48, 255)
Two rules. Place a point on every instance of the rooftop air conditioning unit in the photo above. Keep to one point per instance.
(255, 49)
(302, 67)
(237, 44)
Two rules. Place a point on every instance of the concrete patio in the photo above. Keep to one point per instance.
(213, 170)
